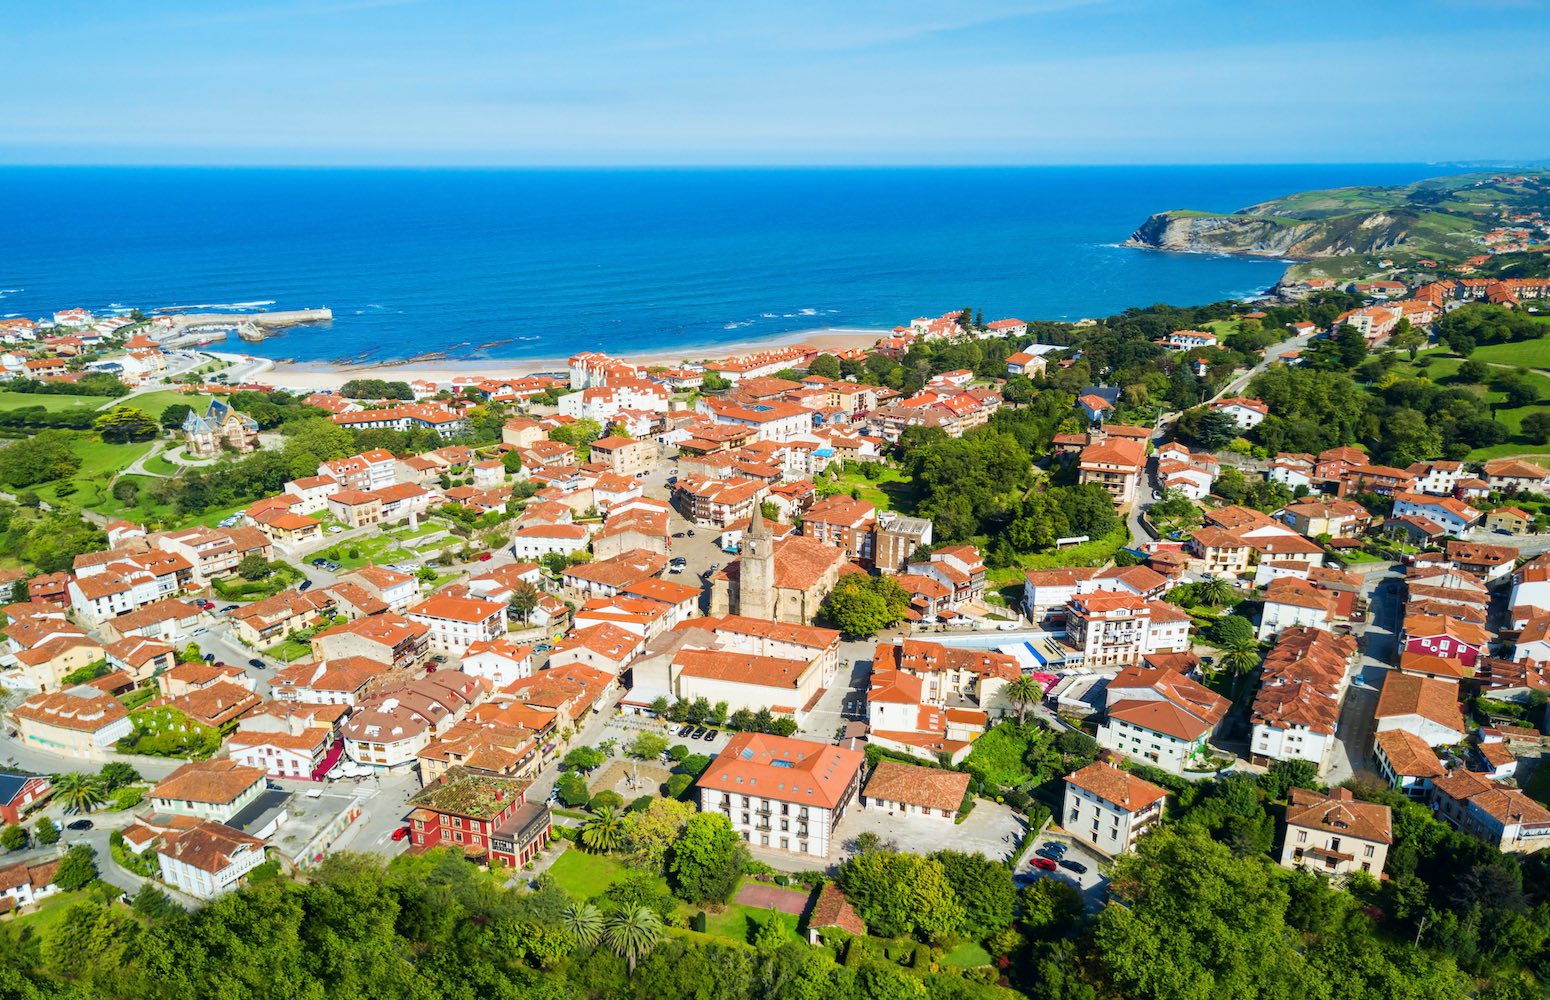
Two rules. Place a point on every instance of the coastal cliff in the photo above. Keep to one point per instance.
(1441, 217)
(1272, 236)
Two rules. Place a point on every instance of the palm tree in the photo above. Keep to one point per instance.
(633, 933)
(584, 923)
(524, 601)
(1241, 655)
(604, 831)
(1024, 691)
(78, 792)
(1216, 592)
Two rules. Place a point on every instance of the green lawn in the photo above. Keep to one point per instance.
(99, 461)
(736, 922)
(1527, 353)
(966, 956)
(289, 650)
(1093, 553)
(49, 914)
(50, 402)
(892, 490)
(377, 549)
(585, 875)
(153, 403)
(1443, 369)
(157, 463)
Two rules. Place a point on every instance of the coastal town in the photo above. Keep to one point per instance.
(1013, 596)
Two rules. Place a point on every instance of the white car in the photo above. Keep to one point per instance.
(334, 529)
(1007, 626)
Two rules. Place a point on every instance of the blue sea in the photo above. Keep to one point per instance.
(542, 263)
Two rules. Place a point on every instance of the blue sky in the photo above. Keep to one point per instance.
(618, 82)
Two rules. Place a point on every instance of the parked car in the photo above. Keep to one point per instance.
(439, 658)
(229, 607)
(712, 735)
(686, 730)
(1044, 864)
(80, 824)
(400, 833)
(690, 532)
(678, 534)
(334, 529)
(1074, 866)
(698, 732)
(320, 561)
(209, 657)
(484, 557)
(256, 663)
(304, 585)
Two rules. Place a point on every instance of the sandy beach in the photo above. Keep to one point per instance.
(321, 375)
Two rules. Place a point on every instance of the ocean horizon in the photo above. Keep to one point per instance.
(489, 263)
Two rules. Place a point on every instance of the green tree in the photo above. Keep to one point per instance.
(573, 789)
(173, 415)
(651, 833)
(41, 458)
(583, 922)
(1284, 775)
(1197, 922)
(583, 758)
(648, 746)
(253, 567)
(14, 837)
(632, 934)
(1217, 592)
(46, 831)
(899, 894)
(1023, 692)
(524, 601)
(1240, 656)
(123, 424)
(826, 365)
(983, 888)
(1473, 370)
(707, 861)
(1216, 429)
(116, 774)
(604, 832)
(1536, 426)
(1350, 346)
(77, 868)
(78, 792)
(861, 606)
(1230, 631)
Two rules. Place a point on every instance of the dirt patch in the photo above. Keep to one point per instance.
(765, 896)
(631, 779)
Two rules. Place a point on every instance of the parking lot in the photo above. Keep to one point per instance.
(989, 829)
(1094, 882)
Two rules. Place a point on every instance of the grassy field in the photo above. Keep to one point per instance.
(1093, 553)
(99, 462)
(892, 490)
(585, 875)
(157, 463)
(51, 403)
(736, 922)
(155, 402)
(1526, 353)
(378, 549)
(1443, 367)
(1537, 787)
(966, 956)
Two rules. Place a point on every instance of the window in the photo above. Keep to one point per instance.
(1368, 852)
(1302, 836)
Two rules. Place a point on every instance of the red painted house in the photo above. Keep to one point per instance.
(19, 793)
(485, 815)
(1445, 636)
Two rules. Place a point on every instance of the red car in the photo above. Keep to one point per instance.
(401, 833)
(1044, 863)
(484, 557)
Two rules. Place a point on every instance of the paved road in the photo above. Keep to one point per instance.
(1380, 650)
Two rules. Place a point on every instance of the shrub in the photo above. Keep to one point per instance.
(607, 798)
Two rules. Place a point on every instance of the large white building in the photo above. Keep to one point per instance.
(1108, 809)
(782, 794)
(209, 859)
(458, 622)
